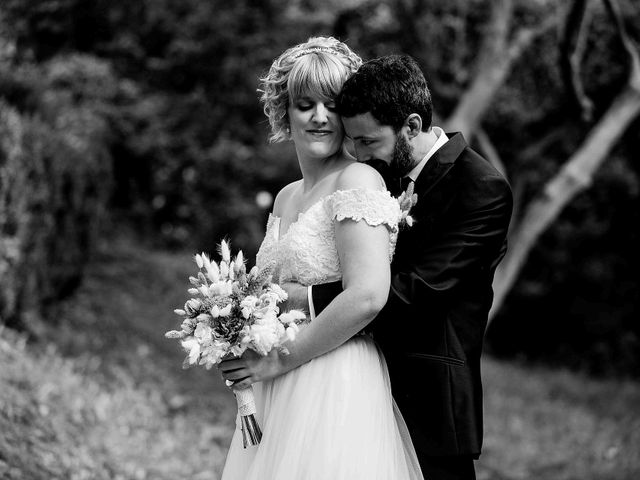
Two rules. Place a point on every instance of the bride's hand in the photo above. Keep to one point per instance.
(250, 368)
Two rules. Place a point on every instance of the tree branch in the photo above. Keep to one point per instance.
(575, 176)
(571, 49)
(490, 152)
(534, 150)
(628, 43)
(493, 66)
(524, 37)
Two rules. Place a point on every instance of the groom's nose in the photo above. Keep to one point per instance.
(361, 154)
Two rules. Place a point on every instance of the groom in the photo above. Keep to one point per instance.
(431, 329)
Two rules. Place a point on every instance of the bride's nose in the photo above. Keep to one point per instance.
(320, 114)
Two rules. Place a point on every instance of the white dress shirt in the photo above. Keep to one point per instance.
(442, 139)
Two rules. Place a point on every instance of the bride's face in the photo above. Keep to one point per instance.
(316, 128)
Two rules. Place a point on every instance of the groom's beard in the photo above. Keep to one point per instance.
(402, 157)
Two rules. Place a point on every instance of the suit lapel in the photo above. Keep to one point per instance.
(440, 163)
(431, 200)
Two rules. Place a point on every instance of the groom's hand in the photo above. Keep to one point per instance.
(251, 367)
(297, 297)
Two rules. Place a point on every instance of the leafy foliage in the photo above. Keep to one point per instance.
(56, 181)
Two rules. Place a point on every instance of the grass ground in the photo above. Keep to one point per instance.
(107, 398)
(104, 397)
(546, 424)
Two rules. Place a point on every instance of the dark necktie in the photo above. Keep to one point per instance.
(404, 183)
(397, 185)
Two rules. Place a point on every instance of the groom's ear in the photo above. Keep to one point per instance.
(413, 124)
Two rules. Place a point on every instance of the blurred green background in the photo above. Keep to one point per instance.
(137, 123)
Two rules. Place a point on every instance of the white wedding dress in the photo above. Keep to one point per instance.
(333, 418)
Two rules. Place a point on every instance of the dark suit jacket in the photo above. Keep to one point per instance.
(431, 330)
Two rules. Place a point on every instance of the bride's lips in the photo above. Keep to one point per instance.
(320, 133)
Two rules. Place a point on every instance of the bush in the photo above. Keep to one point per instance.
(55, 183)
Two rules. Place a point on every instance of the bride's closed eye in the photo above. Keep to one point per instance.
(304, 106)
(307, 105)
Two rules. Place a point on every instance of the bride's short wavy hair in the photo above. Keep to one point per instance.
(318, 67)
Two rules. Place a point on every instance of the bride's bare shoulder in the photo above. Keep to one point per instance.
(283, 197)
(359, 175)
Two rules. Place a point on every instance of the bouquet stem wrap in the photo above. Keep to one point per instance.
(251, 433)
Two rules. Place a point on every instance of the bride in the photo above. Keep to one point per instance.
(325, 409)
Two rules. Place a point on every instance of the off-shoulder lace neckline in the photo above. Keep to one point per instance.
(280, 236)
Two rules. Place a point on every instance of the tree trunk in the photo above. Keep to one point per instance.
(575, 176)
(493, 66)
(497, 55)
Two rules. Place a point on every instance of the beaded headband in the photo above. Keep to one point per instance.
(307, 51)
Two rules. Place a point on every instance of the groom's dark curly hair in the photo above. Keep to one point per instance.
(391, 88)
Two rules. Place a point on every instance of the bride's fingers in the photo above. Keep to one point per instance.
(245, 383)
(236, 374)
(239, 384)
(229, 365)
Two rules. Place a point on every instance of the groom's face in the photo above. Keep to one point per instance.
(374, 141)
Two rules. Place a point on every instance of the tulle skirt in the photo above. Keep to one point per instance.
(331, 419)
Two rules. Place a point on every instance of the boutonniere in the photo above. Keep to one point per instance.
(407, 200)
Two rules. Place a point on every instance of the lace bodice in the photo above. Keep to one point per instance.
(307, 252)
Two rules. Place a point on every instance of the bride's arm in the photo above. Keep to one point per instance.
(364, 259)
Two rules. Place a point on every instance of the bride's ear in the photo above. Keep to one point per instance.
(413, 124)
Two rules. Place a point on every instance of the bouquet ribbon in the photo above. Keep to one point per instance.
(251, 433)
(246, 401)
